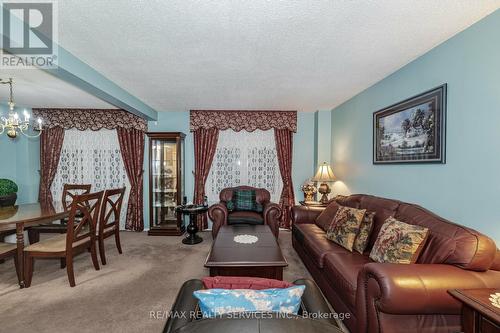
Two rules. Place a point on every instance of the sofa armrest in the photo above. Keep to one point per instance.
(272, 213)
(184, 306)
(416, 289)
(305, 214)
(218, 214)
(419, 288)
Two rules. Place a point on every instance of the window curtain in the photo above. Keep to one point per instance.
(132, 146)
(92, 157)
(284, 146)
(51, 142)
(130, 130)
(244, 158)
(205, 144)
(284, 124)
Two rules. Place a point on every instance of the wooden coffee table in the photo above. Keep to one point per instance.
(260, 259)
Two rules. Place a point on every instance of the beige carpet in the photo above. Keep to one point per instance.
(119, 297)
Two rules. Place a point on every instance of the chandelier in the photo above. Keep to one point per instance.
(13, 124)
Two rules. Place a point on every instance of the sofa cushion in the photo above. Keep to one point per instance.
(365, 229)
(326, 217)
(314, 241)
(242, 282)
(398, 242)
(217, 302)
(449, 243)
(383, 208)
(349, 201)
(345, 226)
(244, 217)
(342, 269)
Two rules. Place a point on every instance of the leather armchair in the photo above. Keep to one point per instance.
(185, 309)
(220, 215)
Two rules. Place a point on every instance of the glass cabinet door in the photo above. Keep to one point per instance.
(164, 182)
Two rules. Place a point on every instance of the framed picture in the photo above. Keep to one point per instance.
(412, 131)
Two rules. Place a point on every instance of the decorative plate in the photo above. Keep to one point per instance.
(495, 300)
(245, 239)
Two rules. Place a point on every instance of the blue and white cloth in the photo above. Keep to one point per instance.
(217, 302)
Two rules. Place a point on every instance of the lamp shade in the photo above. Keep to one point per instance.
(324, 174)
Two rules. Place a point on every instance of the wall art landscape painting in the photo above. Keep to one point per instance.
(412, 131)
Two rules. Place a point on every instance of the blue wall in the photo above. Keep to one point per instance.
(20, 162)
(322, 142)
(302, 164)
(467, 188)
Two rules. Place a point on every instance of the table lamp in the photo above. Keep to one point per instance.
(324, 174)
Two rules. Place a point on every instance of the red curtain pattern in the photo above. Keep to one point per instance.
(51, 142)
(205, 144)
(243, 120)
(284, 148)
(93, 119)
(132, 148)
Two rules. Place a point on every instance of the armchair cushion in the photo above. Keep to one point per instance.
(244, 217)
(245, 200)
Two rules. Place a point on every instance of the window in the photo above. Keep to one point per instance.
(245, 158)
(92, 157)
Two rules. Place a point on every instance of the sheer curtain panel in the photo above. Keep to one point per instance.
(245, 158)
(92, 157)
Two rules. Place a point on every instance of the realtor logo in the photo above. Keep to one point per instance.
(28, 34)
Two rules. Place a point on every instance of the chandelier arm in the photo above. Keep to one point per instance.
(21, 129)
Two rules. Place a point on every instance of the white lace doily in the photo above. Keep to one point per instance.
(245, 239)
(495, 300)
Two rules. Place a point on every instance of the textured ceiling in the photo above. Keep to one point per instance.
(224, 54)
(37, 89)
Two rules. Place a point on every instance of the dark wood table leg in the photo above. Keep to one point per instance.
(20, 253)
(192, 229)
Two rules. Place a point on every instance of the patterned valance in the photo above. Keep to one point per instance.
(243, 120)
(93, 119)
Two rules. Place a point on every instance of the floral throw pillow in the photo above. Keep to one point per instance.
(217, 302)
(365, 229)
(345, 226)
(398, 242)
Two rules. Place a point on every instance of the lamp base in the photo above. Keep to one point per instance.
(324, 189)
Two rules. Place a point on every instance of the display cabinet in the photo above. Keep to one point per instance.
(166, 182)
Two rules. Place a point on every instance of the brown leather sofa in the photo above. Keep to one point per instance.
(394, 297)
(220, 215)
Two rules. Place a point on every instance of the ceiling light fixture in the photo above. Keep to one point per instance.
(13, 124)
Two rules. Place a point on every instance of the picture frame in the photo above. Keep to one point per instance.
(413, 130)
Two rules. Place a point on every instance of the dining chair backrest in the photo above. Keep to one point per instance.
(87, 208)
(72, 190)
(111, 208)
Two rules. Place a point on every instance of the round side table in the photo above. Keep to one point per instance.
(193, 211)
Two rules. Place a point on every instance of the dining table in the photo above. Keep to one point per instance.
(20, 217)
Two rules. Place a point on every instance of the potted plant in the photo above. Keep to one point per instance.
(8, 193)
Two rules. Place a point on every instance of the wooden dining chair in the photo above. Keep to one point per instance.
(8, 250)
(109, 220)
(68, 195)
(80, 236)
